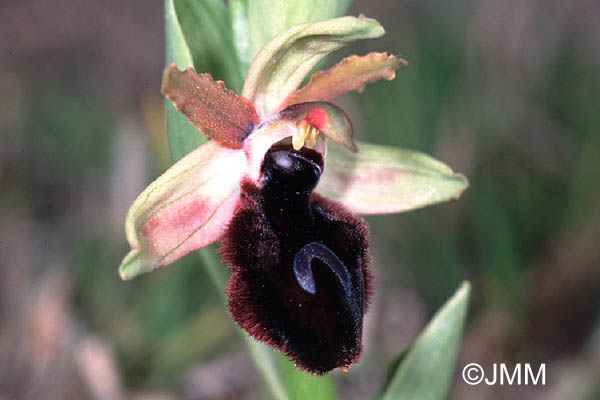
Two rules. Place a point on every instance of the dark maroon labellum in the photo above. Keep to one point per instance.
(300, 280)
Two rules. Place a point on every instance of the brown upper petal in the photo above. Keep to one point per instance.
(352, 73)
(218, 112)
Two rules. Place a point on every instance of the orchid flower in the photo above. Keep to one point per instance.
(283, 204)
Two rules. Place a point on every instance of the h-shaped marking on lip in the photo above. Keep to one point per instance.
(303, 270)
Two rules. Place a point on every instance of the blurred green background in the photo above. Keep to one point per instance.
(506, 92)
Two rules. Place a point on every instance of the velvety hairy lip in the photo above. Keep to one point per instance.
(299, 263)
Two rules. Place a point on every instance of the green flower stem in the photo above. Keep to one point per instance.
(262, 355)
(216, 270)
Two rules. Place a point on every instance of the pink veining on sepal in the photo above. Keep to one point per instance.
(189, 228)
(183, 210)
(379, 179)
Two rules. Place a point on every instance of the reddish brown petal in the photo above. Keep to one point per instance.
(218, 112)
(352, 73)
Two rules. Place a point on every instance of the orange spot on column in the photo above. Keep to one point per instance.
(317, 117)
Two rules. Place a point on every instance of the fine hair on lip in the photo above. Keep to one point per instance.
(300, 277)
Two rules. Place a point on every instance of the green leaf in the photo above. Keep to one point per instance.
(256, 22)
(206, 26)
(279, 68)
(383, 179)
(238, 13)
(183, 136)
(394, 365)
(268, 18)
(425, 372)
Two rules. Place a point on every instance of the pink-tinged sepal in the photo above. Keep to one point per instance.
(352, 73)
(383, 179)
(216, 111)
(185, 209)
